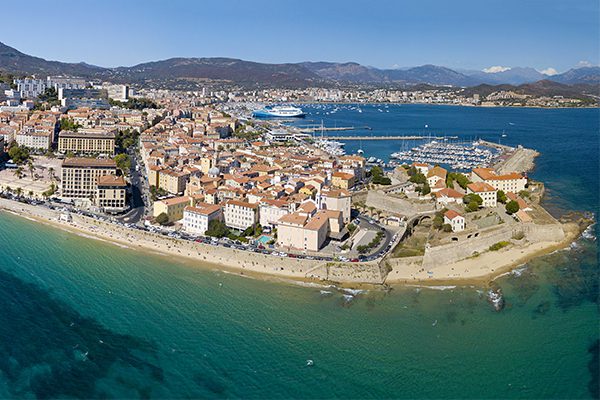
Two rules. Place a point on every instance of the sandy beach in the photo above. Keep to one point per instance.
(479, 270)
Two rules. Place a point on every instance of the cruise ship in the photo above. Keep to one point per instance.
(279, 112)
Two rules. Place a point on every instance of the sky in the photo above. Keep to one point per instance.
(551, 35)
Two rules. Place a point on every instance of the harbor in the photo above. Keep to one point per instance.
(459, 156)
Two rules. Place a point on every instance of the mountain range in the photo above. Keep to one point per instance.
(304, 74)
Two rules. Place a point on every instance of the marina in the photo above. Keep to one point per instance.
(459, 156)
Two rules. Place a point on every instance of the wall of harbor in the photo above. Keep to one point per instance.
(467, 247)
(373, 272)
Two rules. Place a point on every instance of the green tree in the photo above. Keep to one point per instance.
(123, 163)
(438, 221)
(19, 154)
(162, 218)
(137, 103)
(418, 178)
(524, 194)
(472, 206)
(351, 228)
(447, 228)
(502, 197)
(426, 189)
(473, 197)
(217, 229)
(50, 96)
(512, 207)
(461, 179)
(67, 124)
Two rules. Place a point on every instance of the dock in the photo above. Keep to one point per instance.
(390, 137)
(312, 129)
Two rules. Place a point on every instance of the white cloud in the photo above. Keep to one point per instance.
(495, 69)
(549, 71)
(583, 64)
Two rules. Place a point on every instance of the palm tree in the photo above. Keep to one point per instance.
(19, 191)
(19, 172)
(51, 172)
(31, 168)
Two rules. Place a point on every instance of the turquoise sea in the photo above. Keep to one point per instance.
(86, 319)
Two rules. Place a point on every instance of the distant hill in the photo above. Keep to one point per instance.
(578, 75)
(12, 60)
(224, 69)
(346, 72)
(188, 73)
(353, 72)
(544, 87)
(513, 76)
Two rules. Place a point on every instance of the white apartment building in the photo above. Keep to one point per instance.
(240, 215)
(35, 139)
(30, 88)
(197, 218)
(271, 210)
(488, 194)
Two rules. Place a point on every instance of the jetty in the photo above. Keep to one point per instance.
(310, 129)
(388, 137)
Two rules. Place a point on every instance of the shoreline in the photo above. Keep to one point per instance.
(516, 256)
(287, 270)
(444, 104)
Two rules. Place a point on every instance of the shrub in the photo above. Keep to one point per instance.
(447, 228)
(499, 245)
(518, 235)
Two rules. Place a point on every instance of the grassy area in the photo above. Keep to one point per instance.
(414, 245)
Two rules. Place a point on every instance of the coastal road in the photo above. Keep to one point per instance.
(365, 223)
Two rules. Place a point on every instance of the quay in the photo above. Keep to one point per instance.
(332, 137)
(310, 129)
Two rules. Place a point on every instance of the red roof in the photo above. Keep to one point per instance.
(451, 214)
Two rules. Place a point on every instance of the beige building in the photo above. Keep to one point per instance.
(111, 193)
(337, 200)
(173, 207)
(343, 180)
(240, 215)
(196, 218)
(86, 142)
(512, 182)
(435, 175)
(79, 176)
(302, 232)
(486, 191)
(172, 181)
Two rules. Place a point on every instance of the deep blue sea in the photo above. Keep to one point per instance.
(80, 318)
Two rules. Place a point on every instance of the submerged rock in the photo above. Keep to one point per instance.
(496, 299)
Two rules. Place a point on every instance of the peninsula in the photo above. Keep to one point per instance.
(161, 171)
